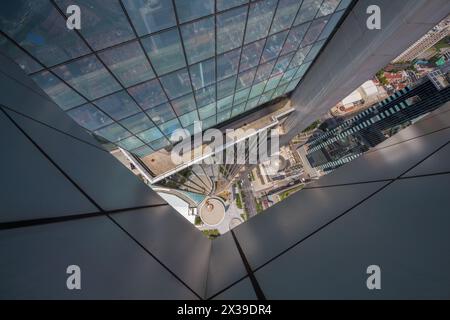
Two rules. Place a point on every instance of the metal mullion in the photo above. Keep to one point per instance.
(153, 69)
(185, 55)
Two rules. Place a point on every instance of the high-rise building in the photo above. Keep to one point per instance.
(350, 139)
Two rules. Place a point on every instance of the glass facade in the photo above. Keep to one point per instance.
(138, 69)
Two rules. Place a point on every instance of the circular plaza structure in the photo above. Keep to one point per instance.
(212, 211)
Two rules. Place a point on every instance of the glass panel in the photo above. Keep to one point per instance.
(210, 122)
(302, 70)
(257, 89)
(344, 4)
(148, 94)
(206, 95)
(198, 38)
(184, 104)
(20, 57)
(224, 103)
(238, 109)
(272, 83)
(176, 83)
(118, 105)
(226, 87)
(128, 63)
(207, 111)
(251, 54)
(288, 75)
(226, 4)
(88, 76)
(252, 103)
(137, 123)
(245, 79)
(332, 22)
(273, 46)
(130, 143)
(89, 117)
(328, 7)
(314, 31)
(314, 51)
(264, 71)
(279, 91)
(230, 29)
(292, 85)
(113, 132)
(103, 23)
(161, 113)
(189, 118)
(41, 30)
(223, 116)
(148, 16)
(150, 135)
(282, 64)
(192, 9)
(300, 56)
(259, 19)
(241, 96)
(285, 15)
(64, 96)
(165, 51)
(307, 11)
(294, 38)
(227, 64)
(203, 73)
(143, 151)
(159, 144)
(266, 97)
(170, 126)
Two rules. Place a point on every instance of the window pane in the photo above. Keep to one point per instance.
(225, 103)
(328, 7)
(176, 83)
(282, 63)
(227, 64)
(210, 122)
(251, 54)
(226, 87)
(230, 29)
(226, 4)
(159, 144)
(264, 71)
(128, 63)
(272, 83)
(273, 46)
(314, 51)
(165, 51)
(118, 105)
(64, 96)
(148, 17)
(20, 57)
(170, 126)
(307, 11)
(130, 143)
(104, 23)
(300, 56)
(314, 31)
(161, 113)
(245, 79)
(294, 38)
(252, 103)
(259, 19)
(198, 39)
(89, 117)
(148, 94)
(285, 15)
(192, 9)
(223, 116)
(332, 22)
(203, 73)
(150, 135)
(184, 104)
(257, 89)
(88, 76)
(137, 123)
(189, 118)
(142, 151)
(206, 95)
(207, 111)
(113, 132)
(42, 31)
(238, 110)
